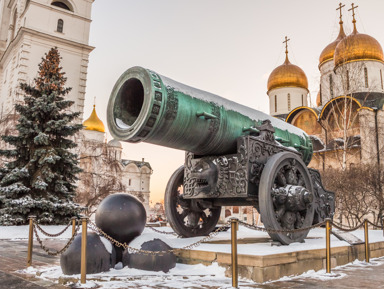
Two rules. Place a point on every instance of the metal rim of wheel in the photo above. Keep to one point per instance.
(283, 163)
(179, 211)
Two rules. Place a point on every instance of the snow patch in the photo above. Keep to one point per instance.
(107, 244)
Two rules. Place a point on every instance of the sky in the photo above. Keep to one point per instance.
(226, 47)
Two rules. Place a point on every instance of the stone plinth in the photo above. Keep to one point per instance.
(272, 267)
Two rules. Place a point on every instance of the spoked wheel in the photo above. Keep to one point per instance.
(187, 217)
(286, 197)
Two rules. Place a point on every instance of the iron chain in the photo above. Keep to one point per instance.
(347, 230)
(262, 229)
(51, 253)
(52, 235)
(162, 232)
(132, 250)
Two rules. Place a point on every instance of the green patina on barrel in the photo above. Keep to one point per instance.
(145, 106)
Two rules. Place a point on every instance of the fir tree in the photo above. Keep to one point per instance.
(40, 177)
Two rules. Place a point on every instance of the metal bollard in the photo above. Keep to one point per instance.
(83, 268)
(73, 225)
(30, 240)
(328, 229)
(234, 227)
(366, 240)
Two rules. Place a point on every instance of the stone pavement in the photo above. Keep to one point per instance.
(13, 258)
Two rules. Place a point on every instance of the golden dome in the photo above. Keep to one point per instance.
(287, 74)
(329, 50)
(94, 122)
(357, 46)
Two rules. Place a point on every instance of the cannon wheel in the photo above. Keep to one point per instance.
(278, 172)
(187, 217)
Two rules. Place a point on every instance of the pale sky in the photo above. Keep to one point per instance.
(228, 48)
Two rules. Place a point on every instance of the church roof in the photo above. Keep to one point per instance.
(329, 51)
(139, 164)
(357, 46)
(94, 122)
(287, 75)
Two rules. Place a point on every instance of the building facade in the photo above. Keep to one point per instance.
(28, 29)
(347, 124)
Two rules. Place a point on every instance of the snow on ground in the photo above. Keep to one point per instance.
(315, 239)
(192, 276)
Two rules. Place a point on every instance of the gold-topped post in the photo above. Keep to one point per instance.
(366, 240)
(328, 229)
(30, 240)
(234, 227)
(83, 269)
(73, 225)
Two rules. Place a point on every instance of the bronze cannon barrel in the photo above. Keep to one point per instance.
(145, 106)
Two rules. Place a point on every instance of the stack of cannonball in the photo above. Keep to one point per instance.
(122, 217)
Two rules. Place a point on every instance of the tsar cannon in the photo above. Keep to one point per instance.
(235, 156)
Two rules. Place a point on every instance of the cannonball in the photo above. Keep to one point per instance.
(99, 259)
(121, 216)
(147, 262)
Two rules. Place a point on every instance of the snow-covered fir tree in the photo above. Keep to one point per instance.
(40, 177)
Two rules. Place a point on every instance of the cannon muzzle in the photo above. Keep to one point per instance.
(145, 106)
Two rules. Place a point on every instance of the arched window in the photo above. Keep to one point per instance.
(64, 4)
(366, 77)
(331, 85)
(289, 101)
(275, 103)
(381, 78)
(302, 100)
(60, 25)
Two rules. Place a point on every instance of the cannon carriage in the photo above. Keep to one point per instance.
(235, 156)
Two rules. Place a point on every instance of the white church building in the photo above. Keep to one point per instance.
(28, 29)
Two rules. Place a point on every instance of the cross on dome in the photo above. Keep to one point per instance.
(341, 15)
(286, 48)
(353, 15)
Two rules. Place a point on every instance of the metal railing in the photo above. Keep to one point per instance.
(233, 223)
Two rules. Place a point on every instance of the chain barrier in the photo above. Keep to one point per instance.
(162, 232)
(376, 226)
(54, 253)
(132, 250)
(262, 229)
(52, 235)
(347, 230)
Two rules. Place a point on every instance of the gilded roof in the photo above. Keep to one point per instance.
(94, 122)
(329, 50)
(358, 46)
(287, 75)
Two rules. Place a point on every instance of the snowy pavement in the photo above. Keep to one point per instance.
(193, 276)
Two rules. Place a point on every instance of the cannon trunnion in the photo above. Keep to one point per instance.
(234, 156)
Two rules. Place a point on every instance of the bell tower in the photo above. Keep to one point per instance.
(28, 29)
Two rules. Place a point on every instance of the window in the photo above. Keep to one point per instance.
(275, 103)
(302, 100)
(129, 182)
(289, 101)
(60, 25)
(62, 5)
(331, 85)
(366, 77)
(381, 79)
(347, 79)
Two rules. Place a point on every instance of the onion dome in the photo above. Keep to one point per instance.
(94, 122)
(329, 50)
(287, 75)
(115, 143)
(357, 46)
